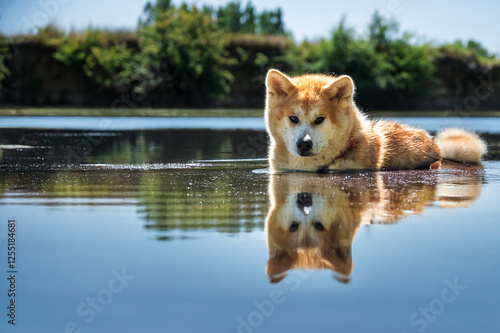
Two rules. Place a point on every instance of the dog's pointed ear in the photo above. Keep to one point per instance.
(278, 84)
(341, 90)
(277, 266)
(340, 258)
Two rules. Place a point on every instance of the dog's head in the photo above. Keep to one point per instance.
(307, 114)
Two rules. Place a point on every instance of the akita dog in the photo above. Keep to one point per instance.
(315, 125)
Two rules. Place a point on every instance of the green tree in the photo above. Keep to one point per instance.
(345, 53)
(405, 69)
(100, 55)
(230, 17)
(471, 49)
(382, 32)
(183, 54)
(234, 19)
(388, 69)
(151, 11)
(271, 22)
(478, 49)
(248, 19)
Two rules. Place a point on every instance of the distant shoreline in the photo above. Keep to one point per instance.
(211, 112)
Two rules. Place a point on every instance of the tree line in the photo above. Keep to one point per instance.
(188, 55)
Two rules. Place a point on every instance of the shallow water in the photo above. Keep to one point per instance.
(167, 230)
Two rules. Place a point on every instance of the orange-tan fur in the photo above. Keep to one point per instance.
(376, 145)
(342, 204)
(460, 145)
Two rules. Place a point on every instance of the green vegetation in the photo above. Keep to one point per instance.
(99, 54)
(183, 54)
(471, 49)
(195, 56)
(4, 54)
(233, 18)
(386, 64)
(184, 50)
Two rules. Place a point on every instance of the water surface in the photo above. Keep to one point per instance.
(127, 229)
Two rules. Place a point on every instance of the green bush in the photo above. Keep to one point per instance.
(385, 65)
(406, 68)
(183, 54)
(99, 54)
(187, 56)
(471, 50)
(345, 53)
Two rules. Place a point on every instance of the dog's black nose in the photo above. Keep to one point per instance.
(304, 199)
(304, 146)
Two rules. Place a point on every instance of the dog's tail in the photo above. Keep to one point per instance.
(460, 145)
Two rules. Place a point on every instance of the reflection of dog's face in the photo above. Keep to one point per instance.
(308, 226)
(313, 218)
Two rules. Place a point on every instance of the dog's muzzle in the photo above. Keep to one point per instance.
(304, 199)
(305, 145)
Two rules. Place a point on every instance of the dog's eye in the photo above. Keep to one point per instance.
(294, 227)
(294, 119)
(319, 226)
(319, 120)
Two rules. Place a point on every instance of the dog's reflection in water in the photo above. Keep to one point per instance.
(313, 218)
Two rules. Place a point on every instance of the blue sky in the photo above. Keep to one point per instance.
(438, 20)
